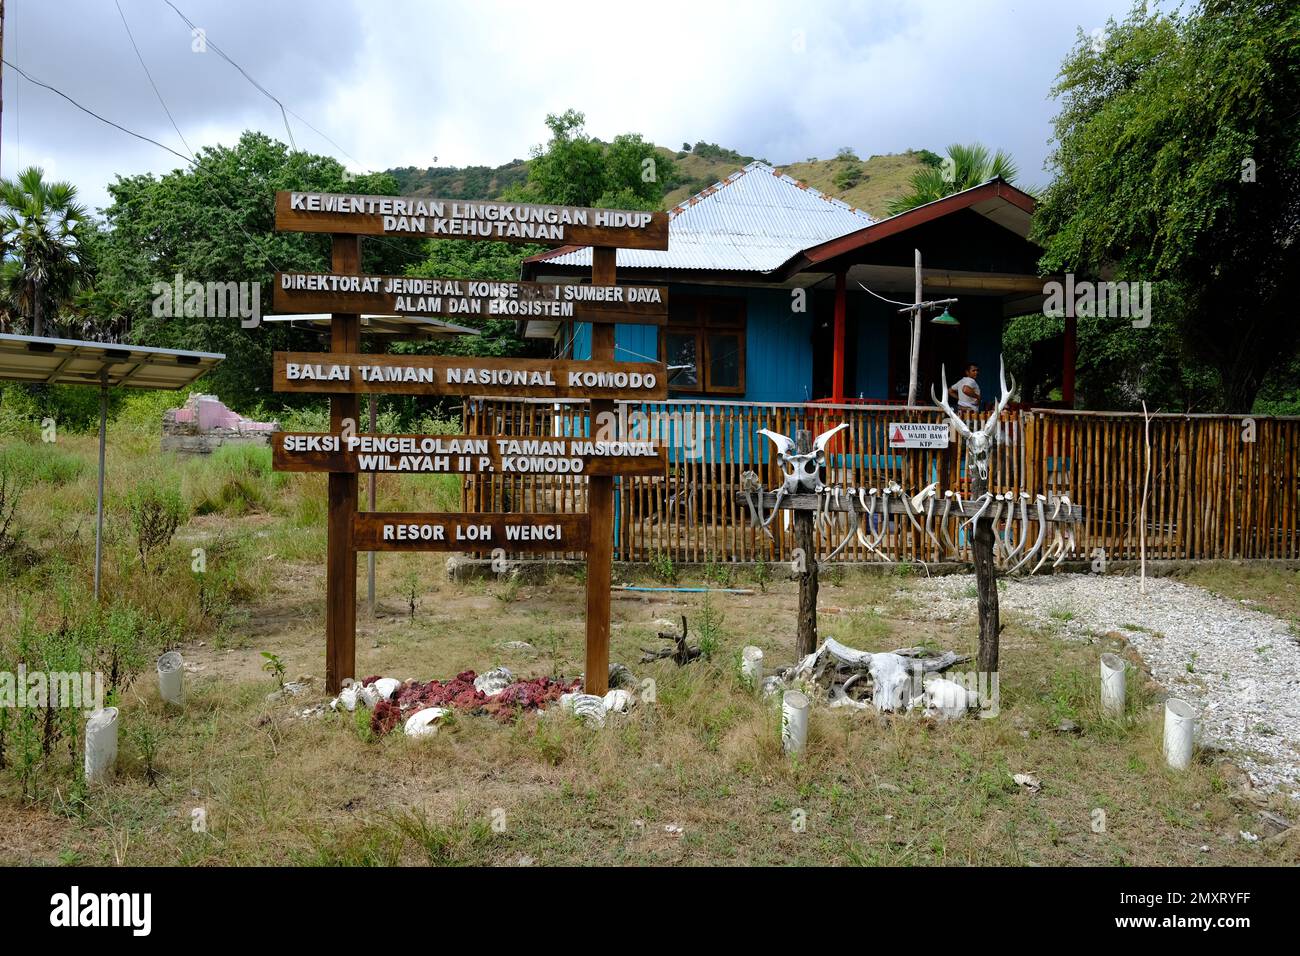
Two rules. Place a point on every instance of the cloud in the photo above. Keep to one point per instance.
(413, 83)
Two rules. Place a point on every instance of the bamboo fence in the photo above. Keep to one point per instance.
(1222, 486)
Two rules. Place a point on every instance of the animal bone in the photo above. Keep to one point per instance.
(1024, 522)
(948, 498)
(907, 508)
(984, 499)
(979, 443)
(929, 521)
(853, 525)
(1042, 531)
(749, 484)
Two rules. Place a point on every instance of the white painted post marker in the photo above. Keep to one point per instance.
(1180, 728)
(1112, 684)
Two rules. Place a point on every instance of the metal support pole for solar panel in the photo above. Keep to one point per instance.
(99, 497)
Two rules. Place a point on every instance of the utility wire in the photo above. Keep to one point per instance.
(192, 162)
(31, 79)
(222, 53)
(149, 75)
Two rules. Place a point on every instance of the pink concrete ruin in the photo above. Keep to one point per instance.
(204, 423)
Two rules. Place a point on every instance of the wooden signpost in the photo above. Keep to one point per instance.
(345, 372)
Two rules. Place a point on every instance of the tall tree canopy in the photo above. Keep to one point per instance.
(43, 233)
(1177, 161)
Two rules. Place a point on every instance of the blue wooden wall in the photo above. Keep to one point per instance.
(778, 346)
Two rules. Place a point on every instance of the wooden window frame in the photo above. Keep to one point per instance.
(708, 321)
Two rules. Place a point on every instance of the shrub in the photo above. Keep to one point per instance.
(156, 511)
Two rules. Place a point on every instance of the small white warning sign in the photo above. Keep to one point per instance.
(918, 434)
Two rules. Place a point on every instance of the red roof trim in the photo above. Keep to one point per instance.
(994, 189)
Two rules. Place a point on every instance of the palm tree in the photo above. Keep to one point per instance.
(40, 240)
(965, 166)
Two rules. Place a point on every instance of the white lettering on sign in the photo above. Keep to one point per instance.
(395, 373)
(317, 372)
(918, 434)
(480, 220)
(585, 379)
(499, 376)
(471, 532)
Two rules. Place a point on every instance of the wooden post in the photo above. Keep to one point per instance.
(840, 358)
(340, 559)
(914, 351)
(986, 583)
(600, 504)
(803, 540)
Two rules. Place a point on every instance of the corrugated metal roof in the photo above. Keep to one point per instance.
(26, 358)
(752, 221)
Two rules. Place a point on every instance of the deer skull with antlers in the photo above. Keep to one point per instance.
(979, 443)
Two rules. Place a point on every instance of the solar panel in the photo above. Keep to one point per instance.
(29, 358)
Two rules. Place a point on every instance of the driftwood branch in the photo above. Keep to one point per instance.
(681, 652)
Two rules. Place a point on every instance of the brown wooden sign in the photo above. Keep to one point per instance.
(353, 373)
(316, 292)
(463, 455)
(400, 531)
(490, 221)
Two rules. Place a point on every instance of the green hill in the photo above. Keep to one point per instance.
(867, 184)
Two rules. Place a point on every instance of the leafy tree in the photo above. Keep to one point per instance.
(41, 236)
(577, 170)
(215, 222)
(1177, 161)
(965, 166)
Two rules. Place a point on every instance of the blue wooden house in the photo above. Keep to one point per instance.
(778, 293)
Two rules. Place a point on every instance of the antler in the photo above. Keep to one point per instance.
(991, 425)
(943, 403)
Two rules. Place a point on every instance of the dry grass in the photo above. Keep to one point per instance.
(276, 788)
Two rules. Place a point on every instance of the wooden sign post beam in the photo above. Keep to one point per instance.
(340, 558)
(600, 504)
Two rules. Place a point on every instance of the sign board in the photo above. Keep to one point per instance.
(316, 292)
(489, 221)
(918, 434)
(463, 454)
(458, 531)
(352, 373)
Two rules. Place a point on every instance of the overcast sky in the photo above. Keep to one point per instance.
(397, 83)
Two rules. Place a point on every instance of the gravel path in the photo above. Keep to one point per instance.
(1245, 664)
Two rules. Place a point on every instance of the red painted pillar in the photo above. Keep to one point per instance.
(840, 359)
(1067, 361)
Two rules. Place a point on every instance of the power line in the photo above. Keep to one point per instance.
(192, 162)
(145, 67)
(262, 89)
(31, 79)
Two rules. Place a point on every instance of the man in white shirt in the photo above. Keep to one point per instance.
(967, 390)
